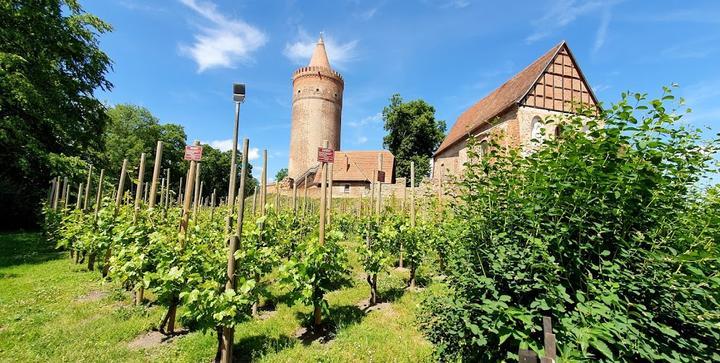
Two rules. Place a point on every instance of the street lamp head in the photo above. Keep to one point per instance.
(238, 92)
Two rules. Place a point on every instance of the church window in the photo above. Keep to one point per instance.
(346, 189)
(536, 132)
(558, 131)
(298, 91)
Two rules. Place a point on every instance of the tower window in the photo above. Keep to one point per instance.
(317, 89)
(298, 91)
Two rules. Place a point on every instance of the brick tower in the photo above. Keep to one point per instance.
(316, 111)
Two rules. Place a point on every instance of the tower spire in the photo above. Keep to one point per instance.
(319, 57)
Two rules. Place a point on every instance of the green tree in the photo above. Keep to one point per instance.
(413, 135)
(50, 67)
(215, 171)
(134, 130)
(281, 174)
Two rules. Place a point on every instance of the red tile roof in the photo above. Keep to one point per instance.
(499, 100)
(359, 165)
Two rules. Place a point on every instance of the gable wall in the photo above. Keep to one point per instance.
(560, 86)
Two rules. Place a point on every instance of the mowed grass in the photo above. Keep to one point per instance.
(54, 310)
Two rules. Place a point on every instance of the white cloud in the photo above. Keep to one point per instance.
(564, 12)
(339, 54)
(226, 145)
(253, 154)
(376, 118)
(224, 41)
(361, 140)
(222, 145)
(367, 14)
(602, 30)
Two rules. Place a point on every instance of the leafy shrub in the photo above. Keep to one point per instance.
(603, 229)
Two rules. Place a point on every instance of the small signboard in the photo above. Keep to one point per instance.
(326, 155)
(193, 153)
(381, 176)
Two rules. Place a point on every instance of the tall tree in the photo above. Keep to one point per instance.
(50, 66)
(215, 171)
(134, 130)
(413, 134)
(281, 174)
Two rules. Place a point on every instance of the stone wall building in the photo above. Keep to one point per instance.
(514, 113)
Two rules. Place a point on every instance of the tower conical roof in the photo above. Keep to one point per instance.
(319, 57)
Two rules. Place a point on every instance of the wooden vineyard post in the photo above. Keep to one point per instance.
(378, 206)
(323, 196)
(65, 192)
(294, 197)
(212, 205)
(180, 192)
(277, 196)
(184, 220)
(155, 176)
(196, 183)
(145, 193)
(317, 310)
(412, 194)
(330, 192)
(548, 341)
(254, 200)
(162, 192)
(98, 196)
(228, 336)
(56, 194)
(139, 189)
(78, 201)
(87, 188)
(118, 203)
(305, 191)
(200, 197)
(50, 192)
(139, 290)
(263, 184)
(98, 201)
(167, 188)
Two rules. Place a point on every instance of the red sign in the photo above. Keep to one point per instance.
(326, 155)
(193, 153)
(381, 176)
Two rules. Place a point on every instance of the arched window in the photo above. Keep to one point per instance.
(558, 131)
(536, 132)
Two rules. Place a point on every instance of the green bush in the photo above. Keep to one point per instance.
(605, 229)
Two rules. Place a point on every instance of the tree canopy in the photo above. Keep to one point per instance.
(413, 134)
(215, 172)
(134, 130)
(50, 66)
(281, 174)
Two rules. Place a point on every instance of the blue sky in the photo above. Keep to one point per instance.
(179, 58)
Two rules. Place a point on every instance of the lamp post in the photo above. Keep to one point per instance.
(238, 98)
(228, 333)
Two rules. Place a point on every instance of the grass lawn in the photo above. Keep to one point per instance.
(54, 310)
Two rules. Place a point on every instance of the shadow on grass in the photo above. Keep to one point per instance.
(338, 318)
(250, 348)
(20, 248)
